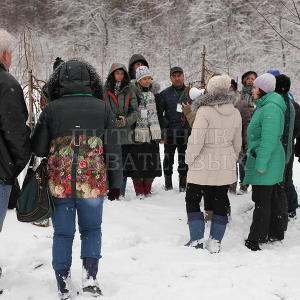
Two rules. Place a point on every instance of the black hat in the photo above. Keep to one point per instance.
(176, 69)
(283, 84)
(57, 62)
(247, 74)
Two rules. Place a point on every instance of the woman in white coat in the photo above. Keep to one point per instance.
(212, 153)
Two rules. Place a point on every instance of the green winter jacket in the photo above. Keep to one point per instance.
(124, 103)
(265, 151)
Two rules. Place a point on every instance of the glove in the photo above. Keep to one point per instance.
(121, 122)
(113, 194)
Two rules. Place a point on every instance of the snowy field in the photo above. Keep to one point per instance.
(144, 257)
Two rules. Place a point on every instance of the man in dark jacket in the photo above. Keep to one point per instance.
(175, 127)
(14, 134)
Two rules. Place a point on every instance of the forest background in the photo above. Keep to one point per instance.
(239, 35)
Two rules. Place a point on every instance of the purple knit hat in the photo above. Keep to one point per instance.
(266, 82)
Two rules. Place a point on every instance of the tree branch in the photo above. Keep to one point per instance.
(274, 28)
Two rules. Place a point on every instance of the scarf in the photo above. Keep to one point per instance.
(147, 128)
(212, 100)
(117, 87)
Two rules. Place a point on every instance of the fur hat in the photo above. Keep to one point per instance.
(283, 84)
(246, 74)
(142, 72)
(219, 84)
(266, 82)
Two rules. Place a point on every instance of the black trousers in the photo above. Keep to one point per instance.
(215, 198)
(171, 144)
(270, 214)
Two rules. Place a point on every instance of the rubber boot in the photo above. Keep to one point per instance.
(138, 187)
(182, 183)
(196, 226)
(62, 277)
(168, 183)
(147, 188)
(217, 231)
(89, 276)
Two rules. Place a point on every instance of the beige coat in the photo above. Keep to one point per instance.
(214, 145)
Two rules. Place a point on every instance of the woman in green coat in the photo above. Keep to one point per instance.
(265, 163)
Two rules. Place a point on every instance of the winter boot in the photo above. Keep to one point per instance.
(90, 284)
(182, 183)
(138, 187)
(252, 245)
(62, 277)
(147, 188)
(217, 231)
(168, 183)
(196, 226)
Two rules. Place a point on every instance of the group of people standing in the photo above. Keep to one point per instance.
(95, 137)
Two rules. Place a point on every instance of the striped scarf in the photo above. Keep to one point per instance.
(147, 128)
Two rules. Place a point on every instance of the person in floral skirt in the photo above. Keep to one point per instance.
(76, 132)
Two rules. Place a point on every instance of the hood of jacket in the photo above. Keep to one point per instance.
(218, 101)
(109, 84)
(272, 97)
(74, 77)
(135, 58)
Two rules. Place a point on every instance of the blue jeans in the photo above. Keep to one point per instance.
(4, 199)
(89, 212)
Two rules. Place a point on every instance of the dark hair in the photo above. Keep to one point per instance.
(262, 93)
(110, 82)
(234, 84)
(283, 84)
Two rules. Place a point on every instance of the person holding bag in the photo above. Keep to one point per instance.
(76, 132)
(14, 134)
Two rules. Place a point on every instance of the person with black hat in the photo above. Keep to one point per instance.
(291, 131)
(246, 107)
(176, 129)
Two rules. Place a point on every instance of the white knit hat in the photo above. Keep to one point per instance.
(142, 72)
(194, 93)
(219, 84)
(266, 82)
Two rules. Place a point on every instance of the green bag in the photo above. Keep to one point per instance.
(35, 203)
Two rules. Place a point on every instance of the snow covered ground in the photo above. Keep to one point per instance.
(144, 257)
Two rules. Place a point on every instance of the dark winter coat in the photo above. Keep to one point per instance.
(124, 103)
(14, 134)
(77, 133)
(172, 122)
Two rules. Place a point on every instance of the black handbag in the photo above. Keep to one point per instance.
(35, 203)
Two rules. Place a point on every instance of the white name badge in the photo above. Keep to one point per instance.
(144, 113)
(179, 108)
